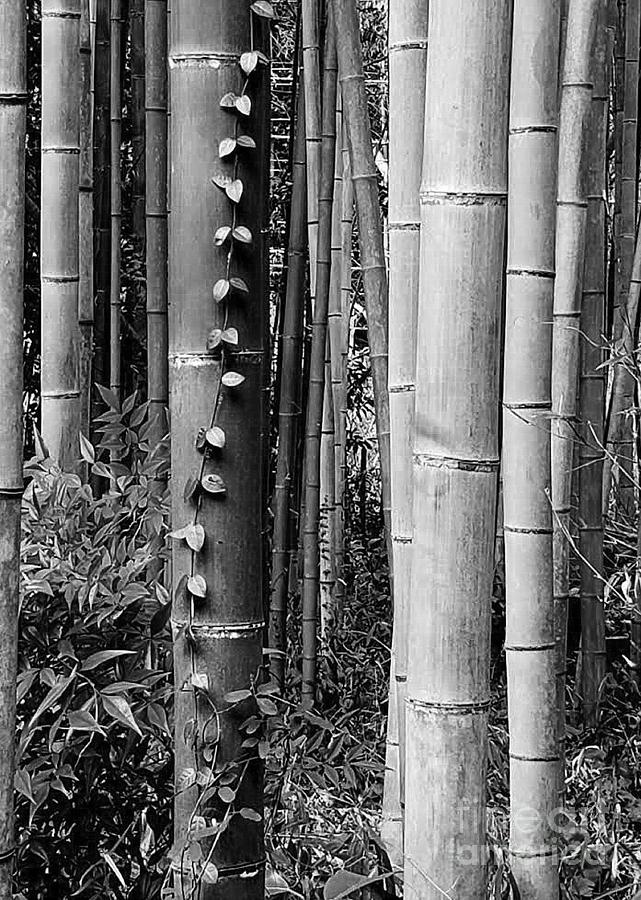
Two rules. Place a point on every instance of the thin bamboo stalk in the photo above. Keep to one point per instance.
(529, 640)
(85, 219)
(156, 213)
(283, 499)
(115, 117)
(576, 101)
(102, 194)
(310, 27)
(456, 452)
(370, 234)
(13, 122)
(407, 60)
(60, 395)
(592, 386)
(327, 508)
(313, 425)
(137, 62)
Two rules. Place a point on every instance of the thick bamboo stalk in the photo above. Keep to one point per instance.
(592, 386)
(456, 453)
(347, 227)
(137, 61)
(217, 639)
(156, 213)
(310, 27)
(13, 121)
(60, 396)
(85, 220)
(327, 509)
(529, 639)
(370, 233)
(576, 101)
(102, 194)
(115, 118)
(313, 424)
(285, 488)
(407, 60)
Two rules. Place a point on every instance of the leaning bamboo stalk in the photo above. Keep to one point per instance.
(13, 122)
(576, 99)
(370, 233)
(156, 213)
(60, 396)
(529, 639)
(115, 117)
(407, 60)
(592, 387)
(85, 219)
(456, 452)
(285, 487)
(313, 425)
(310, 27)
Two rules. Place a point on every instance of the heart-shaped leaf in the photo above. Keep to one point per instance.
(244, 140)
(197, 586)
(249, 61)
(214, 338)
(195, 537)
(215, 437)
(239, 285)
(244, 105)
(263, 8)
(221, 289)
(191, 489)
(221, 235)
(242, 234)
(235, 190)
(226, 147)
(232, 379)
(200, 680)
(230, 336)
(209, 873)
(213, 484)
(221, 181)
(228, 100)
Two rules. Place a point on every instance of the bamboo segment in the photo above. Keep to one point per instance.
(327, 509)
(85, 219)
(312, 87)
(219, 636)
(313, 425)
(13, 122)
(370, 233)
(576, 101)
(115, 117)
(283, 540)
(60, 395)
(137, 62)
(102, 194)
(592, 386)
(407, 60)
(156, 213)
(529, 640)
(456, 453)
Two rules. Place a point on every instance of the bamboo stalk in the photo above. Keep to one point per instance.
(407, 60)
(85, 219)
(137, 62)
(370, 235)
(13, 122)
(60, 395)
(313, 425)
(456, 452)
(592, 387)
(156, 214)
(327, 508)
(310, 28)
(115, 117)
(529, 640)
(102, 194)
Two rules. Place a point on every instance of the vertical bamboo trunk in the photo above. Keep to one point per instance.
(327, 509)
(13, 121)
(102, 194)
(370, 233)
(576, 100)
(463, 199)
(619, 83)
(283, 540)
(592, 386)
(85, 220)
(217, 638)
(310, 22)
(407, 60)
(115, 116)
(156, 213)
(313, 424)
(529, 639)
(60, 396)
(347, 227)
(138, 116)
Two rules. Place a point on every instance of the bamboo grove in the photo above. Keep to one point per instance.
(489, 241)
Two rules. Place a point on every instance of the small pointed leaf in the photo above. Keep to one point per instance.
(232, 379)
(242, 234)
(86, 449)
(191, 489)
(200, 680)
(197, 586)
(244, 140)
(221, 235)
(221, 181)
(195, 537)
(230, 336)
(214, 338)
(235, 190)
(227, 100)
(215, 437)
(200, 437)
(244, 105)
(221, 289)
(249, 61)
(239, 285)
(262, 58)
(118, 707)
(263, 8)
(226, 147)
(213, 484)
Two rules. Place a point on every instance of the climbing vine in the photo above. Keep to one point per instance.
(189, 861)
